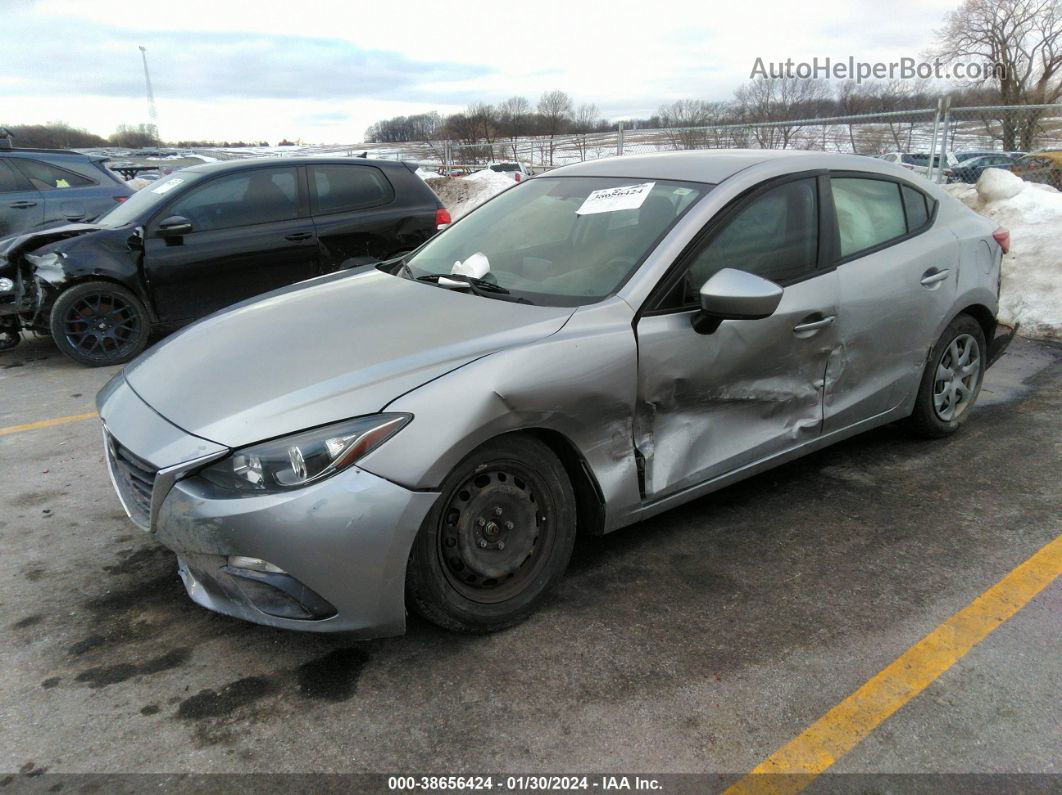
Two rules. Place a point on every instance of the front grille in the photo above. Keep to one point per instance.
(134, 479)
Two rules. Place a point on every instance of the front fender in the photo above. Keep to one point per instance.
(581, 383)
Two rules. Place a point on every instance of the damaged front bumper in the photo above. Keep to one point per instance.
(330, 557)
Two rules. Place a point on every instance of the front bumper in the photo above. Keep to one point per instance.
(342, 544)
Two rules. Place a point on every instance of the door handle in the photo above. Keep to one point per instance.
(22, 205)
(299, 236)
(934, 276)
(814, 325)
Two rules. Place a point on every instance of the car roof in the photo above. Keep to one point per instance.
(253, 162)
(709, 165)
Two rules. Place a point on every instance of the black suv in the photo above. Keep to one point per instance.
(39, 187)
(202, 239)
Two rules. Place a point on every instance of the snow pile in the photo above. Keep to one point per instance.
(1032, 271)
(425, 174)
(461, 195)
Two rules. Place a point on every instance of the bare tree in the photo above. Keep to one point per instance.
(684, 121)
(779, 99)
(555, 113)
(514, 120)
(1023, 39)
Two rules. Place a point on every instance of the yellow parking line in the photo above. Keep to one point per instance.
(33, 426)
(796, 764)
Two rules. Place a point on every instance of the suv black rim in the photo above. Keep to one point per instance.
(496, 533)
(101, 326)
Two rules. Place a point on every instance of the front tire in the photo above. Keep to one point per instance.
(951, 380)
(99, 323)
(497, 540)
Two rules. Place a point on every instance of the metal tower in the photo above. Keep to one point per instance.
(153, 114)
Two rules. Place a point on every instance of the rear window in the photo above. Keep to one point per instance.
(869, 213)
(917, 208)
(342, 187)
(45, 176)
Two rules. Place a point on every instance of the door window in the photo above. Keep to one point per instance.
(44, 176)
(249, 197)
(775, 236)
(869, 213)
(343, 187)
(9, 180)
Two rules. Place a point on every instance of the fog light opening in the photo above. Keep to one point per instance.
(254, 564)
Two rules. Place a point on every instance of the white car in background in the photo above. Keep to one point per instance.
(518, 171)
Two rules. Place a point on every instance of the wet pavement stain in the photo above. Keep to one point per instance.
(219, 703)
(51, 682)
(105, 675)
(87, 644)
(333, 677)
(28, 621)
(150, 709)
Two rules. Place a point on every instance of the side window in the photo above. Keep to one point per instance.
(44, 176)
(914, 202)
(869, 212)
(775, 236)
(342, 187)
(249, 197)
(9, 180)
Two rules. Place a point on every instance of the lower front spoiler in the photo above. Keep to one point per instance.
(337, 552)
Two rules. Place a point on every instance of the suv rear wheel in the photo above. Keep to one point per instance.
(99, 323)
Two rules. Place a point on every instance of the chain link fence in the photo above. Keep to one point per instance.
(944, 144)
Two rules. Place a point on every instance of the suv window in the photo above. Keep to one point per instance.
(775, 236)
(45, 176)
(249, 197)
(869, 212)
(342, 187)
(9, 180)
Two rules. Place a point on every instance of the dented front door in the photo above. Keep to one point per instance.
(710, 404)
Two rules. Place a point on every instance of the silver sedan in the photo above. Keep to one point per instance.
(589, 348)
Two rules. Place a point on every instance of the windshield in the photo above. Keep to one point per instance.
(144, 201)
(563, 241)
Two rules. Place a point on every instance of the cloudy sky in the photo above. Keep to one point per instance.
(323, 71)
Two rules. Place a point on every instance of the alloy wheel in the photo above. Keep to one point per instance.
(102, 325)
(955, 380)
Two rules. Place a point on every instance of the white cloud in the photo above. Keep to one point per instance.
(326, 70)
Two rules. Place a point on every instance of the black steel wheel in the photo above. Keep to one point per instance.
(99, 323)
(497, 540)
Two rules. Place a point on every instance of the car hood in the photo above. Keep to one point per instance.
(322, 351)
(12, 245)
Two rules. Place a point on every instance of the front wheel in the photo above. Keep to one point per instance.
(952, 379)
(99, 323)
(498, 538)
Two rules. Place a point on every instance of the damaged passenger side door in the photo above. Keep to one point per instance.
(714, 400)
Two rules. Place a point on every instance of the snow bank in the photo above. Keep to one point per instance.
(461, 195)
(1032, 271)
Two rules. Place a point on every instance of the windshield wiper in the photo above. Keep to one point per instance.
(474, 284)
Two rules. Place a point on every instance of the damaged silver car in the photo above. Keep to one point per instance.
(589, 348)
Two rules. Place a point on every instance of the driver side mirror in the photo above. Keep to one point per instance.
(732, 294)
(174, 226)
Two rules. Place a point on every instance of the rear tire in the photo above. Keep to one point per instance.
(99, 323)
(497, 540)
(951, 380)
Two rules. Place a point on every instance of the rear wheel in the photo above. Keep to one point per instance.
(499, 537)
(952, 379)
(99, 323)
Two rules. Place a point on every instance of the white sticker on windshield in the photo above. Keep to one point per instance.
(607, 200)
(168, 185)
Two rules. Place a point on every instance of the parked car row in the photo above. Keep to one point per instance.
(1043, 167)
(588, 348)
(202, 239)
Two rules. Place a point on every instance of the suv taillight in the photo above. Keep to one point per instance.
(442, 218)
(120, 199)
(1002, 236)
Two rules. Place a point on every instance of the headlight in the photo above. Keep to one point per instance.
(304, 458)
(6, 285)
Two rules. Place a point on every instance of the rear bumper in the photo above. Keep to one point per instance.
(997, 346)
